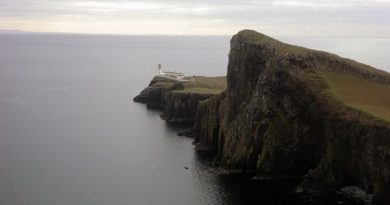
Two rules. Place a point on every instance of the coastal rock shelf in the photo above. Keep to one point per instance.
(291, 113)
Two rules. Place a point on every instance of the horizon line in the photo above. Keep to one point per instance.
(18, 31)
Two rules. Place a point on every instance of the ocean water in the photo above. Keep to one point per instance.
(70, 133)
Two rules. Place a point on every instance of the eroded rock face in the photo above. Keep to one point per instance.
(266, 117)
(181, 107)
(154, 96)
(357, 154)
(269, 121)
(166, 95)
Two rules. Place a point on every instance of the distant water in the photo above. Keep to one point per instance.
(71, 135)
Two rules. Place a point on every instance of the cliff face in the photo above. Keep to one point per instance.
(181, 107)
(276, 120)
(178, 99)
(154, 96)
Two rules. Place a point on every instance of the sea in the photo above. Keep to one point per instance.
(70, 133)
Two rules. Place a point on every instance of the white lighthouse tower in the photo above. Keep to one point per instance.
(160, 72)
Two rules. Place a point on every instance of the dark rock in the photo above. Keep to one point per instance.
(186, 133)
(270, 121)
(179, 108)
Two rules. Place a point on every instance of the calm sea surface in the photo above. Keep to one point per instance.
(71, 135)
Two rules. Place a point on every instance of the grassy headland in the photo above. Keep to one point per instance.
(361, 94)
(346, 82)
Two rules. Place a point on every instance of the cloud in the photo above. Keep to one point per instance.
(296, 17)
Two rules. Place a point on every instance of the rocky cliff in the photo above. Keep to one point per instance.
(179, 99)
(285, 115)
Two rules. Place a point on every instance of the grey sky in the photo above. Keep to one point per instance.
(289, 17)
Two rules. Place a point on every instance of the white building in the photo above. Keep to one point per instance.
(168, 74)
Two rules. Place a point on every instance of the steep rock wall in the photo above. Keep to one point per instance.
(181, 107)
(269, 121)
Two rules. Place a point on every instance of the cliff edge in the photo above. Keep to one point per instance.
(179, 99)
(294, 113)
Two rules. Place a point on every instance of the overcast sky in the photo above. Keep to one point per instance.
(208, 17)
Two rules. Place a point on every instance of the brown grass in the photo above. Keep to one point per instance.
(201, 84)
(364, 95)
(196, 84)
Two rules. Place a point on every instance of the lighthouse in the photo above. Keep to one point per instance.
(171, 75)
(160, 70)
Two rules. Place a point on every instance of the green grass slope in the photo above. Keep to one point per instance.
(361, 94)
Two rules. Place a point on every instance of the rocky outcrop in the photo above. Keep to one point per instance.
(357, 154)
(154, 96)
(178, 106)
(181, 107)
(272, 121)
